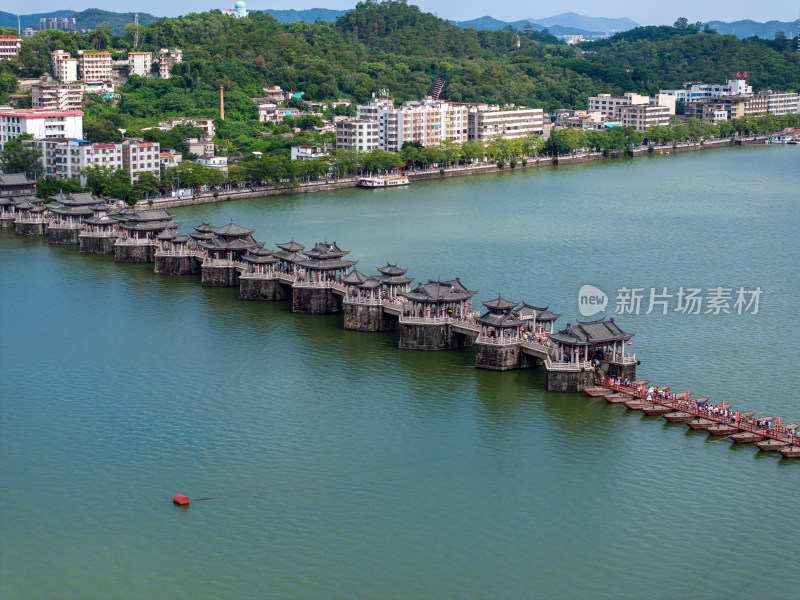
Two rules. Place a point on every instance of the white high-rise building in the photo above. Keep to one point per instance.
(41, 124)
(64, 67)
(139, 63)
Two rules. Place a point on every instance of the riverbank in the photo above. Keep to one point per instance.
(459, 171)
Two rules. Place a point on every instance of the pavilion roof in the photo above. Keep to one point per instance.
(324, 250)
(238, 244)
(440, 291)
(204, 228)
(102, 220)
(591, 332)
(292, 246)
(354, 277)
(232, 230)
(155, 214)
(15, 179)
(62, 209)
(500, 304)
(527, 312)
(329, 264)
(495, 319)
(290, 257)
(394, 280)
(148, 225)
(370, 284)
(391, 270)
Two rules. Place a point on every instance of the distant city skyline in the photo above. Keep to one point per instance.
(464, 10)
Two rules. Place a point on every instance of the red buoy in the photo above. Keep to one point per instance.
(181, 500)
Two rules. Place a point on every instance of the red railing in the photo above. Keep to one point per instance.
(679, 402)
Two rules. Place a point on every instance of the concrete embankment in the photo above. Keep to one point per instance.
(531, 163)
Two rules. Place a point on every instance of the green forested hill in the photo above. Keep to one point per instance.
(396, 46)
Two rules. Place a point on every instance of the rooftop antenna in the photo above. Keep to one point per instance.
(136, 33)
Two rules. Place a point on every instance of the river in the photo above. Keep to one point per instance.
(330, 464)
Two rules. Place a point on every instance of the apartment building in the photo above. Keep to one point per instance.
(270, 113)
(41, 124)
(695, 91)
(94, 66)
(64, 158)
(167, 59)
(357, 134)
(643, 116)
(139, 156)
(63, 96)
(608, 105)
(63, 23)
(64, 67)
(207, 125)
(9, 46)
(202, 146)
(486, 122)
(139, 63)
(780, 103)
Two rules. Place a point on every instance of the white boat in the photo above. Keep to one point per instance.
(382, 181)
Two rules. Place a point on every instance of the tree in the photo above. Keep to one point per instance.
(681, 23)
(147, 184)
(50, 186)
(19, 158)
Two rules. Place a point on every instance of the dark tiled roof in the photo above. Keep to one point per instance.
(14, 179)
(440, 291)
(232, 230)
(495, 319)
(591, 332)
(395, 280)
(327, 264)
(290, 257)
(527, 312)
(354, 277)
(324, 250)
(391, 270)
(291, 246)
(499, 304)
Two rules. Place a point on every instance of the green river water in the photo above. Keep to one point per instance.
(337, 466)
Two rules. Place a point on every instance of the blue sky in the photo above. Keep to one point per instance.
(644, 13)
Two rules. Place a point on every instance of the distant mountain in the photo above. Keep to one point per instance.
(309, 16)
(8, 19)
(599, 24)
(85, 19)
(748, 28)
(492, 24)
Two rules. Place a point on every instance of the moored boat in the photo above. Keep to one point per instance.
(722, 429)
(771, 445)
(678, 416)
(657, 410)
(382, 182)
(699, 423)
(746, 437)
(636, 404)
(790, 452)
(597, 391)
(618, 398)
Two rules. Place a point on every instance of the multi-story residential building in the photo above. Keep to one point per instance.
(207, 125)
(28, 32)
(215, 162)
(608, 105)
(428, 122)
(64, 67)
(270, 113)
(67, 158)
(64, 96)
(139, 156)
(202, 146)
(64, 158)
(167, 59)
(170, 158)
(308, 152)
(357, 134)
(486, 122)
(780, 103)
(65, 23)
(695, 91)
(643, 116)
(139, 63)
(94, 66)
(41, 124)
(9, 46)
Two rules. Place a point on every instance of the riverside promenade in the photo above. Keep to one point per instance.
(457, 171)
